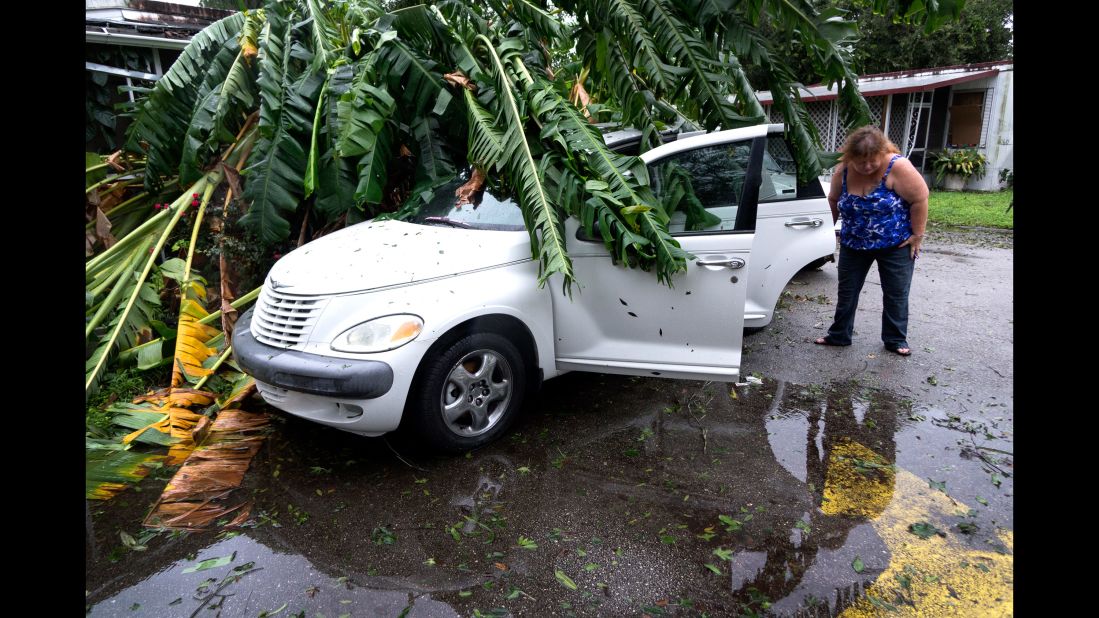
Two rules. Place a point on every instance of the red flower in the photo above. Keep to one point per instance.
(194, 203)
(194, 195)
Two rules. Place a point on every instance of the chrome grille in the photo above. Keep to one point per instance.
(285, 321)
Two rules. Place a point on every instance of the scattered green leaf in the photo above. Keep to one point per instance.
(731, 525)
(265, 613)
(924, 530)
(211, 563)
(858, 565)
(565, 580)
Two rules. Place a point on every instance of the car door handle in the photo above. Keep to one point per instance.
(809, 222)
(729, 262)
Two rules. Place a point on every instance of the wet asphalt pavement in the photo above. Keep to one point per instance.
(851, 481)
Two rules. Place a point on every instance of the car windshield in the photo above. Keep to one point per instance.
(490, 210)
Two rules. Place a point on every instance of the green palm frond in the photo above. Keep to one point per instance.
(669, 257)
(162, 118)
(486, 142)
(705, 88)
(419, 27)
(625, 176)
(434, 163)
(366, 132)
(109, 471)
(416, 78)
(621, 182)
(800, 128)
(133, 292)
(678, 193)
(336, 175)
(829, 40)
(209, 119)
(541, 215)
(540, 22)
(275, 179)
(325, 33)
(625, 19)
(930, 13)
(254, 22)
(461, 23)
(621, 82)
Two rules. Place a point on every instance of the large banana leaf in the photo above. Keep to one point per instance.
(540, 213)
(705, 87)
(276, 177)
(202, 491)
(109, 471)
(366, 133)
(162, 119)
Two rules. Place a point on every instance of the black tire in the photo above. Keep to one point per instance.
(445, 381)
(817, 263)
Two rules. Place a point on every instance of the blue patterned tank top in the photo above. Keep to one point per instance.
(877, 220)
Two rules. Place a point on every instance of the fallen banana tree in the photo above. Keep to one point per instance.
(365, 111)
(121, 298)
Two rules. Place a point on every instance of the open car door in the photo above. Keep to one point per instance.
(620, 320)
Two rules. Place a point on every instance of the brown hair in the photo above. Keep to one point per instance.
(865, 142)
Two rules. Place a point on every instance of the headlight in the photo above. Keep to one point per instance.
(380, 334)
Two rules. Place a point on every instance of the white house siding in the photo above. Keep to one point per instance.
(999, 142)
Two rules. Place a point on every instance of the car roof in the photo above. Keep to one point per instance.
(616, 135)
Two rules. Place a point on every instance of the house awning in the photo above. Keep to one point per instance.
(881, 85)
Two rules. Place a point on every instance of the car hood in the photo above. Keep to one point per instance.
(378, 254)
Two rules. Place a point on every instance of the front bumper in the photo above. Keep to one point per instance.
(308, 373)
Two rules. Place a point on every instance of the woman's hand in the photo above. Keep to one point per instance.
(913, 243)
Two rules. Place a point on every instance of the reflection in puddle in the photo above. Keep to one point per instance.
(614, 496)
(257, 579)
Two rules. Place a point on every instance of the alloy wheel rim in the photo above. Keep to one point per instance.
(476, 393)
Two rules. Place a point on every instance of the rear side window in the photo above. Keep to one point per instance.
(779, 180)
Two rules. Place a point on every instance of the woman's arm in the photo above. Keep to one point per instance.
(908, 183)
(834, 192)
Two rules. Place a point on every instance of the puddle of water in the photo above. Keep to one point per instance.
(274, 579)
(618, 495)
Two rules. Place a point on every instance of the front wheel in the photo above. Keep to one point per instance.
(468, 395)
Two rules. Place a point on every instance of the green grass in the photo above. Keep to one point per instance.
(972, 208)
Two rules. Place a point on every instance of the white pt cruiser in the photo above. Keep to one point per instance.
(437, 326)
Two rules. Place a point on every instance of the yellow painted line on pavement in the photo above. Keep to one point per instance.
(938, 576)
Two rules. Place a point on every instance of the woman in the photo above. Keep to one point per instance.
(882, 199)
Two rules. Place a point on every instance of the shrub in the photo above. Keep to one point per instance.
(964, 162)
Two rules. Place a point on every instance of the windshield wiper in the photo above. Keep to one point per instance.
(450, 222)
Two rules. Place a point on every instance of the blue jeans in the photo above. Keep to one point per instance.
(895, 270)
